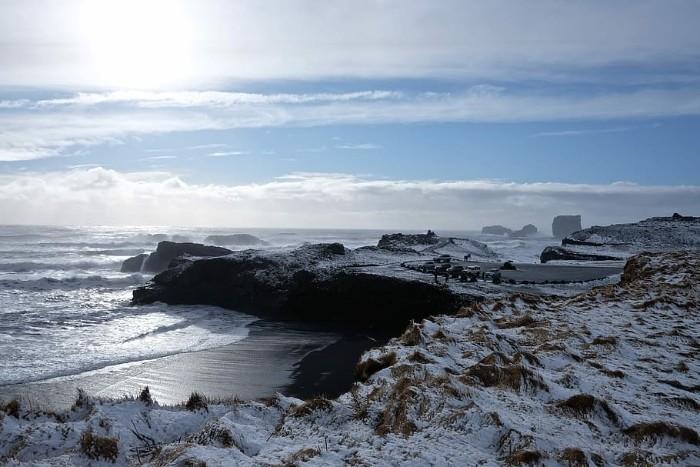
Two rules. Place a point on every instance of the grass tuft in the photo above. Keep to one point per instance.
(655, 430)
(312, 405)
(365, 369)
(12, 408)
(99, 447)
(582, 405)
(574, 457)
(524, 457)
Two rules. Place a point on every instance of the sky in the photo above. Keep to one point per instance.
(408, 114)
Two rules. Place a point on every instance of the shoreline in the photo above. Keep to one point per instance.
(296, 359)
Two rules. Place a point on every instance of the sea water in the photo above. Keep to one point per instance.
(65, 306)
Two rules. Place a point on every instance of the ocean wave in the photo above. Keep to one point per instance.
(74, 282)
(30, 266)
(160, 330)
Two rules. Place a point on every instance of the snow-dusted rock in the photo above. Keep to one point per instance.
(321, 282)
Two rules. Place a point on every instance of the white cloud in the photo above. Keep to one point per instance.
(102, 196)
(31, 132)
(359, 147)
(302, 39)
(228, 153)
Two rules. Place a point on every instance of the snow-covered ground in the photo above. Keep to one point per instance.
(608, 377)
(653, 234)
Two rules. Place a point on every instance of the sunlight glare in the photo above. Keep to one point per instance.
(138, 44)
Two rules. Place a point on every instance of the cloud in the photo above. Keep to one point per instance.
(103, 196)
(228, 153)
(365, 38)
(359, 147)
(33, 131)
(161, 99)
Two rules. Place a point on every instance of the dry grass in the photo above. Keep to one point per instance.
(654, 430)
(582, 405)
(519, 322)
(574, 457)
(609, 341)
(524, 457)
(419, 357)
(606, 371)
(213, 434)
(412, 335)
(302, 455)
(365, 369)
(395, 418)
(683, 402)
(12, 408)
(634, 459)
(196, 402)
(515, 377)
(312, 405)
(99, 447)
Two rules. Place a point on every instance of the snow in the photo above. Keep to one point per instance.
(493, 384)
(653, 234)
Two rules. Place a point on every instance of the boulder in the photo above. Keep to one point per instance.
(563, 226)
(496, 230)
(160, 259)
(134, 264)
(238, 239)
(552, 253)
(527, 231)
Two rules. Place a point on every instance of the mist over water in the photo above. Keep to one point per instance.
(64, 305)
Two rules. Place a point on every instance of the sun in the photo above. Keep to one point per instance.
(138, 44)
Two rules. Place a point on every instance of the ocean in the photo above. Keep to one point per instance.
(65, 306)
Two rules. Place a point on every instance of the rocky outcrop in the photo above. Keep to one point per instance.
(401, 241)
(655, 234)
(496, 230)
(552, 253)
(134, 264)
(563, 226)
(316, 282)
(527, 231)
(238, 239)
(166, 252)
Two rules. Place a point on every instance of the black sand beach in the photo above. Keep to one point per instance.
(295, 359)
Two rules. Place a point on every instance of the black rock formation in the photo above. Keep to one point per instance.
(134, 264)
(496, 230)
(401, 241)
(166, 252)
(313, 282)
(563, 226)
(235, 239)
(527, 231)
(552, 253)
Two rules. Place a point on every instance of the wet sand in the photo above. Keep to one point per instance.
(295, 359)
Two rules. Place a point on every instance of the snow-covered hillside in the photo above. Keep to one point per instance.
(608, 377)
(654, 234)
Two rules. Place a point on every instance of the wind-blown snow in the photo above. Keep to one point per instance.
(608, 377)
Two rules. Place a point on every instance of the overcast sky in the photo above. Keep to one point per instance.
(376, 114)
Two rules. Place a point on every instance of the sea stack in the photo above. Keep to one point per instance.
(563, 226)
